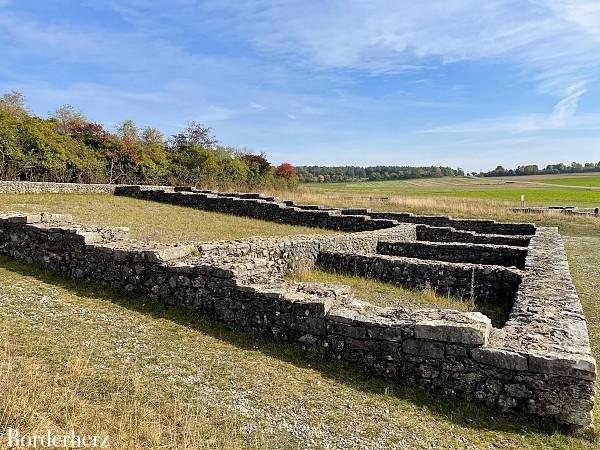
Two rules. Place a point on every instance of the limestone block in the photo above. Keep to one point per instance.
(50, 217)
(577, 366)
(88, 237)
(474, 332)
(423, 348)
(393, 334)
(502, 359)
(168, 253)
(24, 218)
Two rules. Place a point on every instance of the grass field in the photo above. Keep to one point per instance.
(81, 356)
(592, 181)
(149, 220)
(557, 190)
(491, 198)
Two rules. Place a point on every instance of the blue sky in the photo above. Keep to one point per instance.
(465, 83)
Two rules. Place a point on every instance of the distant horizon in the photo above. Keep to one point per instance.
(463, 84)
(542, 166)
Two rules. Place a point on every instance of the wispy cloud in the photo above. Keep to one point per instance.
(552, 41)
(566, 108)
(562, 117)
(375, 81)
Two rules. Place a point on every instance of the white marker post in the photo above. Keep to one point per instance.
(522, 200)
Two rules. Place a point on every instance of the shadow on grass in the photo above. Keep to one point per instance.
(460, 411)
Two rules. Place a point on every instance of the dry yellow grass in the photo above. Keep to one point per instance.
(386, 294)
(470, 208)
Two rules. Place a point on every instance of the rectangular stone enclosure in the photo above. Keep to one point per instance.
(537, 360)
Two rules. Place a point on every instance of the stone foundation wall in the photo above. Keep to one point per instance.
(568, 210)
(257, 208)
(26, 187)
(299, 253)
(499, 255)
(269, 208)
(525, 365)
(476, 225)
(449, 234)
(480, 282)
(538, 361)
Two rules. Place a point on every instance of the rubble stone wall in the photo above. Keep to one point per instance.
(27, 187)
(540, 362)
(299, 253)
(449, 234)
(499, 255)
(258, 208)
(476, 225)
(480, 282)
(269, 208)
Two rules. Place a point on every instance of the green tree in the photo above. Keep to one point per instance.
(13, 104)
(194, 165)
(66, 118)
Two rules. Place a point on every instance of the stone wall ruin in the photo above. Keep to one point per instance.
(537, 361)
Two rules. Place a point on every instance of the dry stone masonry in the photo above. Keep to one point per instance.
(568, 210)
(537, 361)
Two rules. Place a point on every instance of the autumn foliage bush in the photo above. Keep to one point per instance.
(67, 147)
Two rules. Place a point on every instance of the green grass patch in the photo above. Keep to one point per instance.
(533, 195)
(591, 181)
(385, 294)
(468, 188)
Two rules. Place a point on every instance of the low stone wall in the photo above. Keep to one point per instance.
(476, 225)
(568, 210)
(480, 282)
(26, 187)
(299, 253)
(538, 362)
(448, 234)
(258, 209)
(499, 255)
(269, 208)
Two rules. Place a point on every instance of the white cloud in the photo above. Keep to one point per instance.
(552, 41)
(257, 107)
(583, 13)
(563, 117)
(566, 108)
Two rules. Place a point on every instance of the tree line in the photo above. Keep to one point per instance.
(550, 169)
(325, 174)
(67, 147)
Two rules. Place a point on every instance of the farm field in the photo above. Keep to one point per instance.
(156, 377)
(466, 197)
(507, 190)
(587, 181)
